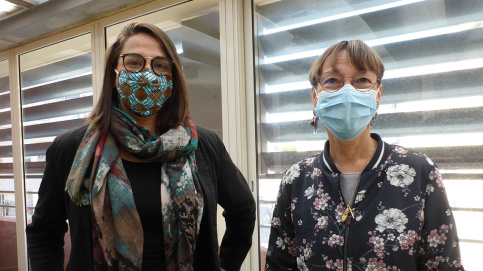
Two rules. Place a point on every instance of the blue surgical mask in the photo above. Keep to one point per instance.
(144, 92)
(346, 112)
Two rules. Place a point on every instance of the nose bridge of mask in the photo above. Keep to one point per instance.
(368, 95)
(143, 76)
(348, 87)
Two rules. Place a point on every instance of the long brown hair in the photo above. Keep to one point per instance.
(363, 57)
(175, 110)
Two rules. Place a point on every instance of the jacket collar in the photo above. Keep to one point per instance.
(374, 163)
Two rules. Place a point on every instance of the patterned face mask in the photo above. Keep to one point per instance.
(143, 93)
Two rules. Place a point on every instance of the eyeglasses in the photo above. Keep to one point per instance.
(135, 63)
(362, 80)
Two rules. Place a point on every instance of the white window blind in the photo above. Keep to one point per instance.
(56, 93)
(8, 219)
(432, 99)
(7, 195)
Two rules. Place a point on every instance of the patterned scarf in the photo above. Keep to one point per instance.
(116, 226)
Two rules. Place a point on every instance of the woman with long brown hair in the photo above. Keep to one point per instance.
(139, 185)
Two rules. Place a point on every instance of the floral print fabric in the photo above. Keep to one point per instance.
(401, 217)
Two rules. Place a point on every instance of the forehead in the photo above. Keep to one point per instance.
(339, 62)
(143, 44)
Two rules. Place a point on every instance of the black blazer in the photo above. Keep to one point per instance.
(221, 182)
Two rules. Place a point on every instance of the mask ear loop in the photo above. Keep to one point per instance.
(315, 122)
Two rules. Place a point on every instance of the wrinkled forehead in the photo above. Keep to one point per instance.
(344, 57)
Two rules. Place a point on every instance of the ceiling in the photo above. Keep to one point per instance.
(33, 20)
(11, 7)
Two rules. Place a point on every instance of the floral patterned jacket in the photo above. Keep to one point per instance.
(399, 219)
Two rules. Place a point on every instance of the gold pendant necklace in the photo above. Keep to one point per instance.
(348, 209)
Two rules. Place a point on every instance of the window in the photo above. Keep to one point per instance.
(432, 100)
(8, 257)
(7, 196)
(56, 93)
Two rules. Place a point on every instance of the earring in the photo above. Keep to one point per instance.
(315, 122)
(373, 119)
(375, 116)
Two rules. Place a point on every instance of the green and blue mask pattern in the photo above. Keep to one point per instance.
(144, 93)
